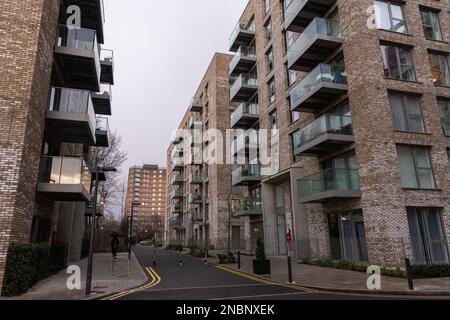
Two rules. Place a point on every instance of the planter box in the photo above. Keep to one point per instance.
(261, 267)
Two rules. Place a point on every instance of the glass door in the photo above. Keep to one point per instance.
(281, 221)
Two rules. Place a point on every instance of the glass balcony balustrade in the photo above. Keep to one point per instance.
(328, 184)
(325, 131)
(321, 37)
(326, 81)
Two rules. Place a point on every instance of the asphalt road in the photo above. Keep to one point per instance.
(197, 281)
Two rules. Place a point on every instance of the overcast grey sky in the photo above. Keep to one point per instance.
(161, 50)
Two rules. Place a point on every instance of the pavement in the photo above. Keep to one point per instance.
(105, 280)
(195, 280)
(321, 278)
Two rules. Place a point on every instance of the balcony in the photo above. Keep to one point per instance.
(177, 166)
(300, 13)
(102, 132)
(244, 60)
(197, 217)
(245, 116)
(100, 210)
(194, 123)
(319, 88)
(243, 88)
(246, 175)
(177, 208)
(177, 193)
(328, 185)
(92, 13)
(326, 134)
(107, 66)
(196, 105)
(246, 144)
(243, 35)
(195, 198)
(176, 179)
(315, 44)
(77, 60)
(102, 100)
(249, 208)
(176, 223)
(70, 116)
(64, 179)
(196, 179)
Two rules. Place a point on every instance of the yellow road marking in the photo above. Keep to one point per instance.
(156, 279)
(261, 280)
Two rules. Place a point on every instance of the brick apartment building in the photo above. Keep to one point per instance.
(200, 193)
(54, 89)
(362, 106)
(147, 188)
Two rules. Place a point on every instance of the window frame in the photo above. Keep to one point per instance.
(271, 94)
(399, 64)
(269, 60)
(391, 19)
(413, 149)
(430, 11)
(444, 70)
(405, 114)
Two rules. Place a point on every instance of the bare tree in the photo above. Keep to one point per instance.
(111, 190)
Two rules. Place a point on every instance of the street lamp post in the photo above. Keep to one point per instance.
(133, 205)
(93, 226)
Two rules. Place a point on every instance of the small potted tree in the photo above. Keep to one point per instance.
(261, 265)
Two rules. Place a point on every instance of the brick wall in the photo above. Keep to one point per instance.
(27, 30)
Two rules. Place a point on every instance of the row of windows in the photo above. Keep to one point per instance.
(390, 16)
(398, 64)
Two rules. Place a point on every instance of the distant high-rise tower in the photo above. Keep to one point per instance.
(147, 187)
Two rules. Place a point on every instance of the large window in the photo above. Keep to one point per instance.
(271, 90)
(428, 240)
(415, 168)
(269, 60)
(389, 16)
(348, 236)
(431, 24)
(444, 106)
(266, 6)
(398, 62)
(406, 113)
(439, 69)
(268, 27)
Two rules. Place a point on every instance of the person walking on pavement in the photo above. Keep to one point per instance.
(114, 246)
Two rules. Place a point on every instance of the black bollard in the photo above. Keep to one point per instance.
(154, 258)
(290, 269)
(239, 260)
(180, 259)
(409, 274)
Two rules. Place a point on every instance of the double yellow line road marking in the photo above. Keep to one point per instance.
(264, 281)
(156, 279)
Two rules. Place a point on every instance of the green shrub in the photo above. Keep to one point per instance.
(260, 252)
(226, 258)
(197, 252)
(431, 270)
(27, 264)
(174, 247)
